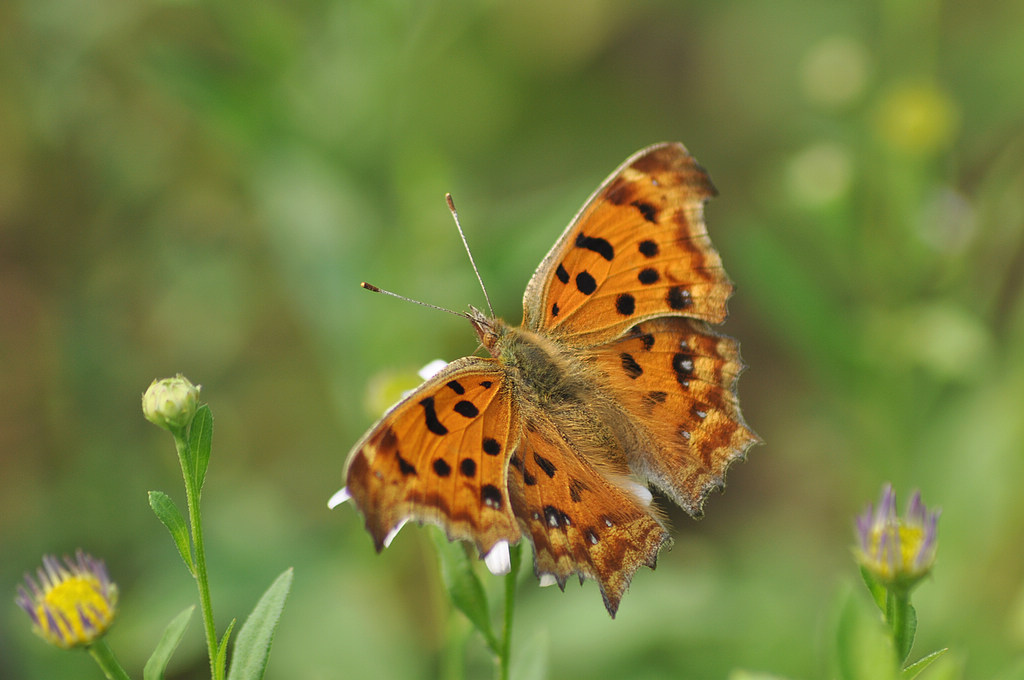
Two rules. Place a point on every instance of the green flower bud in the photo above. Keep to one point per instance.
(171, 403)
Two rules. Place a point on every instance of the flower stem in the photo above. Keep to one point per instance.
(104, 656)
(899, 616)
(196, 522)
(515, 557)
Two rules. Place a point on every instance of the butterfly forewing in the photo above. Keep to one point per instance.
(638, 249)
(676, 380)
(441, 456)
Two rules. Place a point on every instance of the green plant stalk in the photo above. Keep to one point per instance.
(897, 612)
(515, 556)
(196, 524)
(104, 656)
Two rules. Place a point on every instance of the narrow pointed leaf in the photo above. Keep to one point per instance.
(464, 587)
(222, 650)
(914, 669)
(200, 442)
(167, 512)
(877, 590)
(157, 663)
(252, 649)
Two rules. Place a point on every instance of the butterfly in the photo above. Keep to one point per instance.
(614, 381)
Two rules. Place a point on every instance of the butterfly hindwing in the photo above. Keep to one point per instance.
(579, 521)
(638, 249)
(441, 456)
(676, 380)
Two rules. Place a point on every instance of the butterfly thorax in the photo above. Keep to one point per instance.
(538, 364)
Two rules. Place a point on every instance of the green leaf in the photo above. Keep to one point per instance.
(464, 587)
(914, 669)
(222, 650)
(167, 512)
(864, 649)
(252, 649)
(877, 590)
(157, 663)
(200, 442)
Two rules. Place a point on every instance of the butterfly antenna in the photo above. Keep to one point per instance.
(374, 289)
(458, 225)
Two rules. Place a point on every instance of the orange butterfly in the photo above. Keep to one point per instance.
(614, 376)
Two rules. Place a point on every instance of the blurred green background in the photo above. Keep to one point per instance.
(201, 187)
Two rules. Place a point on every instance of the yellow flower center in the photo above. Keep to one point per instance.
(907, 538)
(70, 601)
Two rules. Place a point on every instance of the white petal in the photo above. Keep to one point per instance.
(498, 561)
(547, 580)
(394, 532)
(338, 498)
(432, 369)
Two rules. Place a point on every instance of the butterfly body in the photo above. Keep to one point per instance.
(613, 381)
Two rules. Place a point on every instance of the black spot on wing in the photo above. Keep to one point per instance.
(546, 465)
(682, 364)
(430, 417)
(585, 283)
(467, 467)
(678, 297)
(597, 245)
(648, 248)
(648, 276)
(491, 496)
(562, 275)
(625, 304)
(555, 517)
(491, 446)
(467, 409)
(655, 397)
(647, 210)
(630, 366)
(441, 467)
(405, 466)
(456, 387)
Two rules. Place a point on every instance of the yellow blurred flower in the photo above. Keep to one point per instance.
(917, 118)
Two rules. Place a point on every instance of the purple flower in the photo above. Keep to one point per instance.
(70, 604)
(897, 551)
